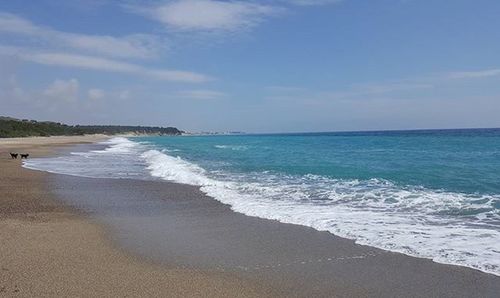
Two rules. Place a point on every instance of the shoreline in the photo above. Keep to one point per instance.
(177, 225)
(266, 256)
(50, 249)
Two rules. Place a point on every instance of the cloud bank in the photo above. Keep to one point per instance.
(208, 15)
(129, 46)
(102, 64)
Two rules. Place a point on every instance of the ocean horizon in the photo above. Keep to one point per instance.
(426, 193)
(354, 132)
(409, 130)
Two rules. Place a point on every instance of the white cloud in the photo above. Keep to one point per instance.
(13, 24)
(61, 90)
(474, 74)
(124, 94)
(129, 46)
(133, 46)
(201, 94)
(10, 89)
(354, 92)
(81, 61)
(394, 89)
(95, 94)
(389, 87)
(102, 64)
(209, 15)
(312, 2)
(176, 75)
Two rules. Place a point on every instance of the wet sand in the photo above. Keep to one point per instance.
(72, 236)
(178, 226)
(51, 250)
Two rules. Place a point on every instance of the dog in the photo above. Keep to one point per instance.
(25, 156)
(13, 155)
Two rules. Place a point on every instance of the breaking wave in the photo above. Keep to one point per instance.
(447, 227)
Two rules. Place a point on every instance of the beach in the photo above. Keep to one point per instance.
(73, 236)
(49, 250)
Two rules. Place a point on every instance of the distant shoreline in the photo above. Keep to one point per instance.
(12, 127)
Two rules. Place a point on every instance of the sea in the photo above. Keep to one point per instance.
(429, 193)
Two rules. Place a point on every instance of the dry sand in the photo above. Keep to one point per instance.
(49, 250)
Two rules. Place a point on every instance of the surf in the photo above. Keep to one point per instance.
(446, 226)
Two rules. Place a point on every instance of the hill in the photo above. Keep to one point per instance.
(12, 127)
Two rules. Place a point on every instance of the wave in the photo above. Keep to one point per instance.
(448, 227)
(373, 212)
(120, 158)
(232, 147)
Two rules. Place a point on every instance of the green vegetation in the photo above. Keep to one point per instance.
(11, 128)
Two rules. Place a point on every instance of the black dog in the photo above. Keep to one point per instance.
(13, 155)
(25, 156)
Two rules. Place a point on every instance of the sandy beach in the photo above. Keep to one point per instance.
(72, 236)
(49, 250)
(249, 148)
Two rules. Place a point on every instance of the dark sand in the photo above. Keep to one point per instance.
(179, 227)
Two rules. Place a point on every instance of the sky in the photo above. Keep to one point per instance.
(253, 66)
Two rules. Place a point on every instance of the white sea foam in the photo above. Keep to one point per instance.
(118, 145)
(372, 212)
(412, 220)
(119, 159)
(232, 147)
(174, 168)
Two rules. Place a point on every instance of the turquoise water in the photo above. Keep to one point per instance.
(461, 160)
(432, 194)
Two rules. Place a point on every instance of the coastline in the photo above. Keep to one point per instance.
(227, 253)
(184, 228)
(49, 249)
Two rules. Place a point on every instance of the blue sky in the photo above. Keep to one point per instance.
(255, 66)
